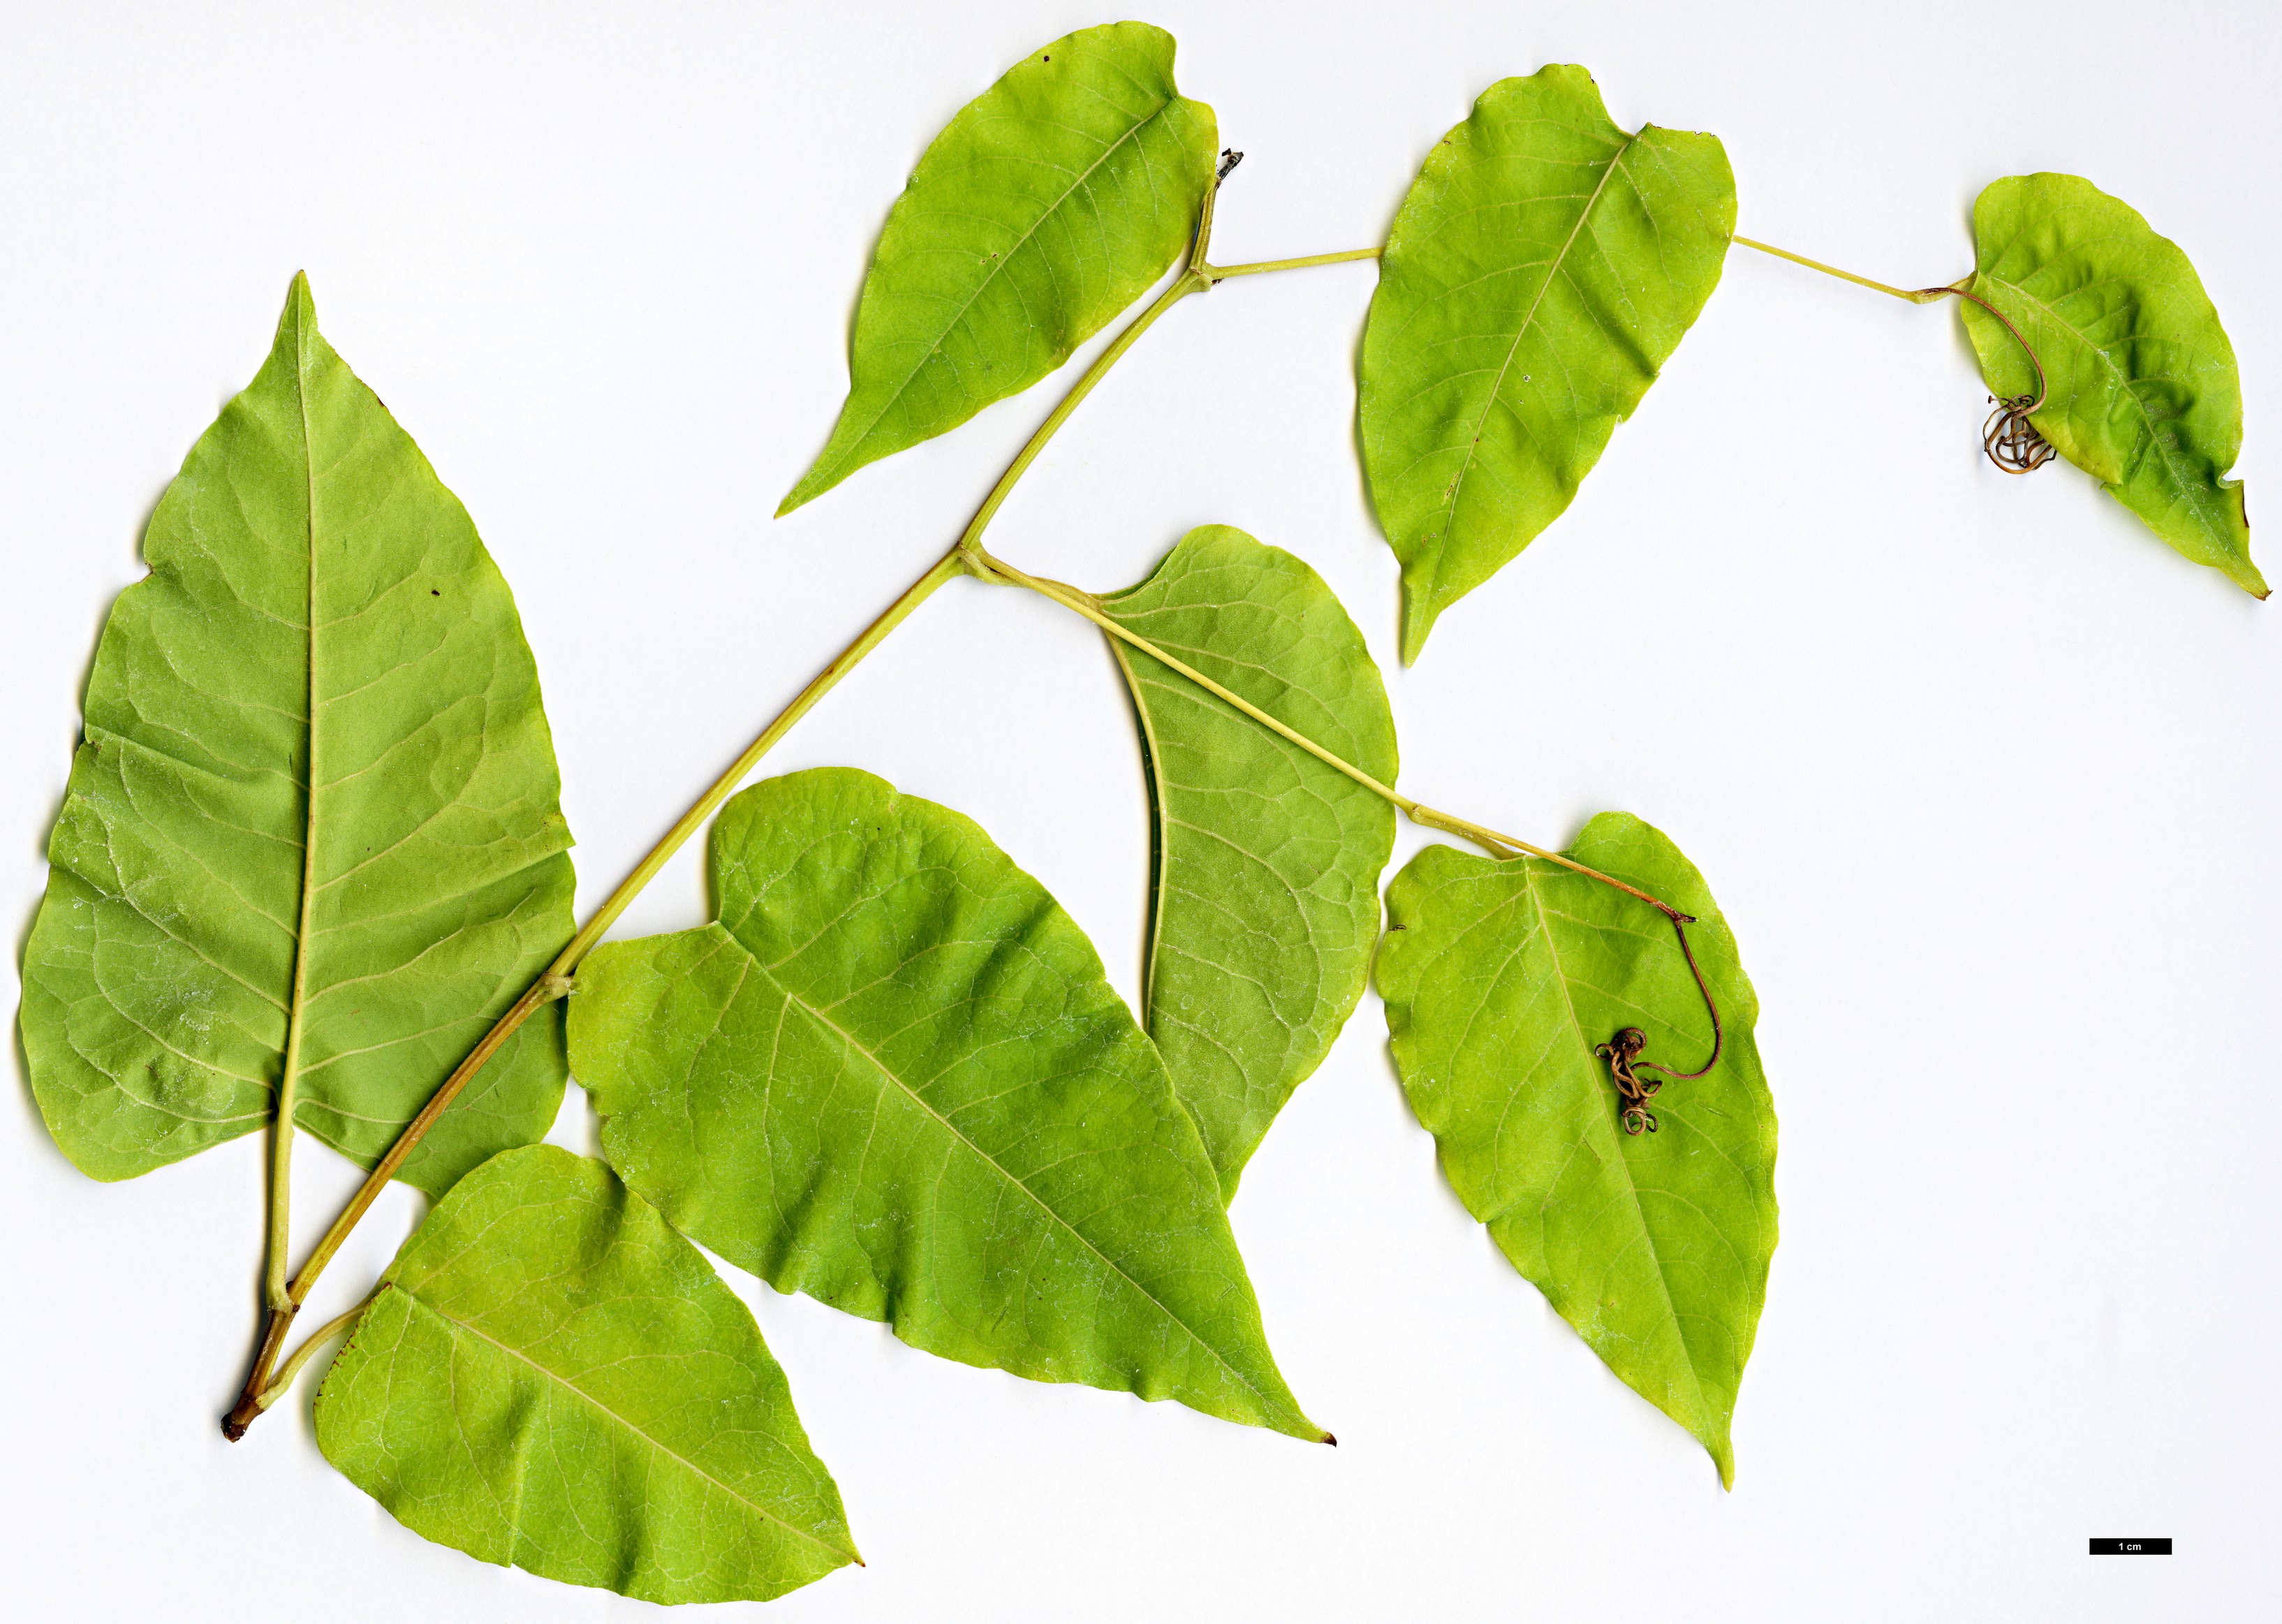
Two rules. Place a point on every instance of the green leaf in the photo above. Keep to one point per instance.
(1542, 270)
(2143, 395)
(550, 1378)
(1046, 206)
(893, 1076)
(1264, 894)
(1501, 979)
(318, 610)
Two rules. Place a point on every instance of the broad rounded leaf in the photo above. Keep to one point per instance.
(1542, 270)
(893, 1075)
(316, 783)
(1501, 979)
(1045, 207)
(550, 1378)
(1264, 889)
(2144, 396)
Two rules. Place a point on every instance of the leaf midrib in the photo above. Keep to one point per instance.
(849, 1039)
(296, 1000)
(568, 1386)
(1552, 270)
(1005, 260)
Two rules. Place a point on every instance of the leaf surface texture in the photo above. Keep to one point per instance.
(1264, 899)
(1542, 270)
(891, 1074)
(319, 612)
(1048, 204)
(2144, 394)
(549, 1378)
(1501, 979)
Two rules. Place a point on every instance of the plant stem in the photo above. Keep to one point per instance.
(556, 981)
(278, 1388)
(1916, 296)
(1221, 273)
(990, 567)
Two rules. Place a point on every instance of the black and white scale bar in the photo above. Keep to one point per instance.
(2131, 1548)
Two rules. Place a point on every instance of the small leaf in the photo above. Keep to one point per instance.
(893, 1076)
(318, 609)
(1048, 204)
(2143, 392)
(550, 1378)
(1501, 979)
(1542, 270)
(1264, 896)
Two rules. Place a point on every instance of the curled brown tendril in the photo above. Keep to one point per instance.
(1623, 1051)
(2008, 438)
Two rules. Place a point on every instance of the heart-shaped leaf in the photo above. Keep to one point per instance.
(1264, 894)
(550, 1378)
(1045, 207)
(1542, 270)
(1501, 979)
(2142, 390)
(313, 831)
(893, 1075)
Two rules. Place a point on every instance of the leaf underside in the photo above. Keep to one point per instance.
(1264, 896)
(318, 610)
(1501, 979)
(893, 1075)
(2143, 391)
(550, 1378)
(1048, 204)
(1541, 271)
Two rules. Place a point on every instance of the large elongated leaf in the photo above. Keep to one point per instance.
(1501, 979)
(1039, 212)
(1264, 890)
(314, 825)
(2144, 393)
(1542, 270)
(892, 1076)
(551, 1378)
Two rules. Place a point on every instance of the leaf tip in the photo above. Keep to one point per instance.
(1331, 1440)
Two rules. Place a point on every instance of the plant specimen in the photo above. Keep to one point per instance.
(311, 872)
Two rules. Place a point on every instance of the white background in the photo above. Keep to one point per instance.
(1984, 775)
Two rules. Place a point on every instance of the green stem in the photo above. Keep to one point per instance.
(992, 568)
(555, 983)
(1221, 273)
(302, 1354)
(1916, 296)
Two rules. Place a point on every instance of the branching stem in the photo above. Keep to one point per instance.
(965, 556)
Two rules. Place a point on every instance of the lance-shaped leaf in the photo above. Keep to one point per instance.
(892, 1076)
(313, 831)
(549, 1378)
(1542, 270)
(1264, 883)
(2143, 392)
(1501, 979)
(1045, 207)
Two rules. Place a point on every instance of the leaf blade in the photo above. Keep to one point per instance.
(1264, 908)
(2144, 393)
(1501, 978)
(1539, 242)
(892, 1076)
(545, 1342)
(1045, 207)
(307, 549)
